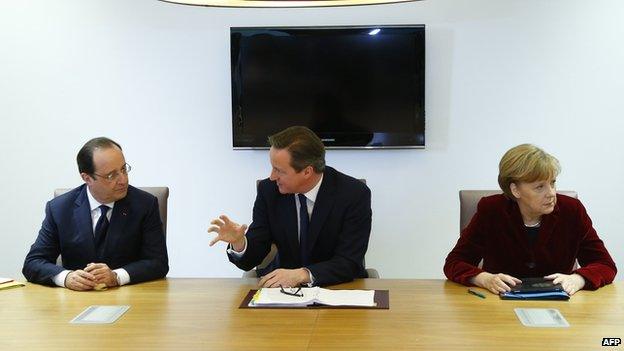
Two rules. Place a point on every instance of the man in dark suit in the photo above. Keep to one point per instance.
(107, 232)
(319, 218)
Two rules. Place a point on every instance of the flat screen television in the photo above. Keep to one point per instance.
(356, 86)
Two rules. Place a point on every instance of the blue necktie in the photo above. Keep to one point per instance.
(304, 222)
(100, 229)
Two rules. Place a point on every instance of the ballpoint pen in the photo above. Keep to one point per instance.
(470, 291)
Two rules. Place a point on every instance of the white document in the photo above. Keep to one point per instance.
(5, 280)
(100, 314)
(275, 297)
(541, 317)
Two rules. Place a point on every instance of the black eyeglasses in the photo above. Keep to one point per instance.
(292, 291)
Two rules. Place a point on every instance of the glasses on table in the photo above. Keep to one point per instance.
(291, 291)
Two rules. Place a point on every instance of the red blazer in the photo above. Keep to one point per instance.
(497, 235)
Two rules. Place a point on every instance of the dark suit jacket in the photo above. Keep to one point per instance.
(339, 229)
(497, 235)
(135, 240)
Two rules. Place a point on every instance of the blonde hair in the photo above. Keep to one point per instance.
(526, 163)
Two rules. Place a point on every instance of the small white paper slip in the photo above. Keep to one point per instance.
(541, 317)
(5, 280)
(98, 314)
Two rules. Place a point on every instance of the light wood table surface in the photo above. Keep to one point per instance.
(203, 314)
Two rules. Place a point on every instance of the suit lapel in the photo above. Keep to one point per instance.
(322, 207)
(118, 219)
(82, 218)
(289, 222)
(518, 228)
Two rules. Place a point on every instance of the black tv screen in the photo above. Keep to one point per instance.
(355, 87)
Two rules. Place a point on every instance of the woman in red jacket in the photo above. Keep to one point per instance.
(529, 231)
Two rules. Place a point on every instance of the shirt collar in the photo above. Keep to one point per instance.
(94, 204)
(311, 195)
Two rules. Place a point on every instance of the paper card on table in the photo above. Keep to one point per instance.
(98, 314)
(10, 284)
(541, 317)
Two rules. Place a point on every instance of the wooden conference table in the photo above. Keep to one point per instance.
(203, 314)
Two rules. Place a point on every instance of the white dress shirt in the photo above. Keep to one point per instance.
(123, 277)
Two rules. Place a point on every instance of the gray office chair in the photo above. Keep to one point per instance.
(265, 262)
(468, 200)
(161, 193)
(372, 272)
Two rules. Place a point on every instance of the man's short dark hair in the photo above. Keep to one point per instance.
(85, 155)
(305, 148)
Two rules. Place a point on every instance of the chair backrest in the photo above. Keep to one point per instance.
(468, 200)
(161, 193)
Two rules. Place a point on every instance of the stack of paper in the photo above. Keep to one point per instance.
(316, 295)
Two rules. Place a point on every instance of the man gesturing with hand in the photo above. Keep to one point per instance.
(319, 218)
